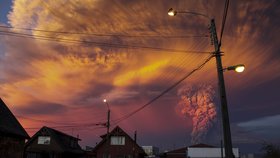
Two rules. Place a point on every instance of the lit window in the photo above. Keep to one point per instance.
(46, 140)
(117, 140)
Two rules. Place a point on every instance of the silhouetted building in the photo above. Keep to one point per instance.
(51, 143)
(151, 151)
(119, 145)
(12, 134)
(208, 151)
(198, 151)
(177, 153)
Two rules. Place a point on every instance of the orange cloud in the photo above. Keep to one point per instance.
(78, 76)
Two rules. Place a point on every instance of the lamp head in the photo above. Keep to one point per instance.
(104, 100)
(238, 68)
(172, 12)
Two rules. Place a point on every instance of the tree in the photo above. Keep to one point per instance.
(271, 150)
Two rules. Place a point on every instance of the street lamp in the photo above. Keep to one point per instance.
(238, 68)
(172, 12)
(217, 53)
(107, 125)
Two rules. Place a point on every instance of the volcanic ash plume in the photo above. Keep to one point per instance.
(198, 103)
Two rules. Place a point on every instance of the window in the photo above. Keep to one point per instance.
(44, 140)
(105, 156)
(117, 140)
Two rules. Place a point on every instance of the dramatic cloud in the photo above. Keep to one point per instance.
(86, 51)
(267, 127)
(38, 107)
(198, 103)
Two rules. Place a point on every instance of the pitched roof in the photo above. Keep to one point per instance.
(177, 151)
(60, 137)
(119, 132)
(9, 125)
(184, 149)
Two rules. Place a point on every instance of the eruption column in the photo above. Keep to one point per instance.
(198, 103)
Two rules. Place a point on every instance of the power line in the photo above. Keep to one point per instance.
(180, 62)
(44, 121)
(73, 126)
(75, 41)
(65, 129)
(224, 21)
(163, 92)
(57, 123)
(109, 34)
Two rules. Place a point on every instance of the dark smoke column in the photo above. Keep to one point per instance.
(197, 101)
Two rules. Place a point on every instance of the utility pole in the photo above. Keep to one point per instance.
(222, 90)
(108, 128)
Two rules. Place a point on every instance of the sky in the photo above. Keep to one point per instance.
(60, 59)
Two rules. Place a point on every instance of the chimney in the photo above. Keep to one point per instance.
(135, 136)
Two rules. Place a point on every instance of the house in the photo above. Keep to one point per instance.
(151, 151)
(119, 145)
(51, 143)
(177, 153)
(197, 151)
(208, 151)
(182, 152)
(12, 134)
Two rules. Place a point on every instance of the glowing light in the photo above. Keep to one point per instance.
(172, 12)
(104, 100)
(240, 68)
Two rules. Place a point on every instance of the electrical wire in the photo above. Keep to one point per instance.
(75, 41)
(57, 123)
(74, 126)
(48, 38)
(43, 121)
(127, 115)
(163, 92)
(179, 63)
(224, 21)
(108, 35)
(65, 129)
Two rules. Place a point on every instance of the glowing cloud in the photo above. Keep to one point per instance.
(69, 76)
(198, 103)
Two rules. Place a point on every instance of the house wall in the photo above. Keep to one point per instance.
(129, 150)
(33, 146)
(53, 155)
(208, 152)
(52, 150)
(151, 151)
(11, 147)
